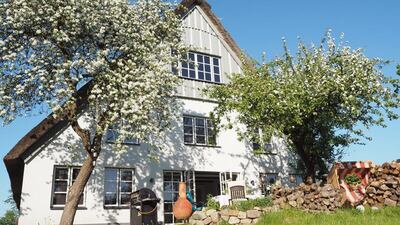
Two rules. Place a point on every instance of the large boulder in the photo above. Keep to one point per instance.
(253, 214)
(199, 215)
(233, 220)
(242, 215)
(215, 217)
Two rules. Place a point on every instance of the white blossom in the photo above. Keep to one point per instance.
(49, 49)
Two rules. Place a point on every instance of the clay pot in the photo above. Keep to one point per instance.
(182, 208)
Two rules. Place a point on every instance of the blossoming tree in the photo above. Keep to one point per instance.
(109, 59)
(319, 100)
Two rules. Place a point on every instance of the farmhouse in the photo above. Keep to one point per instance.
(46, 161)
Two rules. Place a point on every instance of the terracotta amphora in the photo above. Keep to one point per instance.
(182, 208)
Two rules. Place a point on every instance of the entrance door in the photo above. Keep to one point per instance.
(206, 184)
(224, 178)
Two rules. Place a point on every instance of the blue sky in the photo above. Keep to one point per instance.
(259, 25)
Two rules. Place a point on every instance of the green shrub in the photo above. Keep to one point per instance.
(251, 203)
(352, 179)
(211, 203)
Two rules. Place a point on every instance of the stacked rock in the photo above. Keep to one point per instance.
(384, 185)
(211, 216)
(313, 197)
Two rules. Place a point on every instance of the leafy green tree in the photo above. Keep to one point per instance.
(10, 217)
(110, 56)
(398, 69)
(320, 100)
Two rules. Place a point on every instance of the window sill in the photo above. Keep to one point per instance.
(264, 153)
(204, 81)
(130, 144)
(116, 207)
(206, 146)
(62, 208)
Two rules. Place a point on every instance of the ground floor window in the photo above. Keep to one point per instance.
(63, 178)
(171, 184)
(266, 181)
(118, 186)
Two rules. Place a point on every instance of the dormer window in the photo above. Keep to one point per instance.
(201, 67)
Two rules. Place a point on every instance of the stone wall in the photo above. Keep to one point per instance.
(212, 216)
(314, 197)
(384, 186)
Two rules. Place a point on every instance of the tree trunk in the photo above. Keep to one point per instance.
(76, 190)
(299, 144)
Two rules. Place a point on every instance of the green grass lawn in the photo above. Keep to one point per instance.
(384, 216)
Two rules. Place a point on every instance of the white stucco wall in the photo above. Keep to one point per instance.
(230, 155)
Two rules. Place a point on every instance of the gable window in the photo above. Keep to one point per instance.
(118, 185)
(112, 136)
(198, 130)
(63, 179)
(201, 67)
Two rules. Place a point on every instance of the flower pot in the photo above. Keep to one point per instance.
(182, 208)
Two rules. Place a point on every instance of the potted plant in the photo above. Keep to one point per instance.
(353, 180)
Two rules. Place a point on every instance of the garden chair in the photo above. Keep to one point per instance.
(237, 191)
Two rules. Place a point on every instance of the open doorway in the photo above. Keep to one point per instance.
(206, 183)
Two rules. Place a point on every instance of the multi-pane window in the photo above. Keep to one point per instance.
(118, 185)
(171, 192)
(198, 130)
(112, 136)
(64, 177)
(201, 67)
(266, 182)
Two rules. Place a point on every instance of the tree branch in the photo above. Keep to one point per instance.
(83, 134)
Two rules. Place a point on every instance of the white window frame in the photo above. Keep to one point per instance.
(113, 133)
(196, 67)
(194, 134)
(69, 184)
(224, 178)
(119, 186)
(173, 191)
